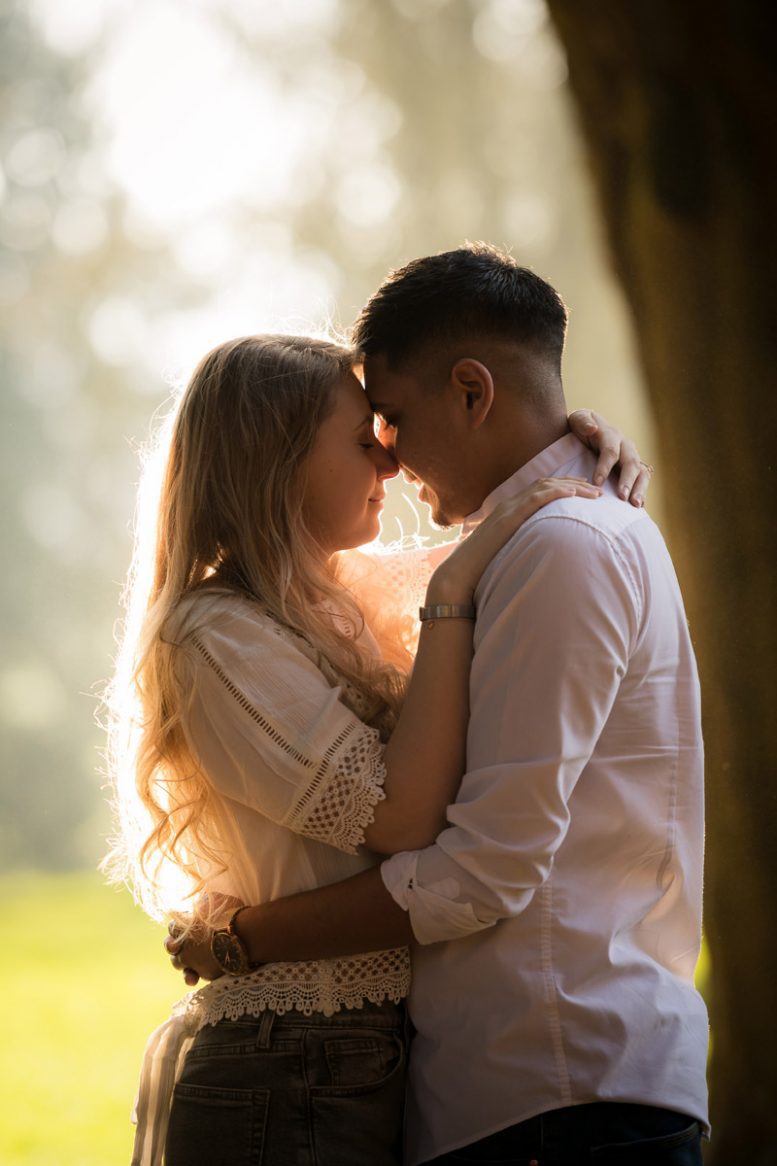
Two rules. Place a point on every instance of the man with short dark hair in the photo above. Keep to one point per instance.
(557, 917)
(412, 335)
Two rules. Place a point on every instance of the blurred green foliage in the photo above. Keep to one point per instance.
(65, 458)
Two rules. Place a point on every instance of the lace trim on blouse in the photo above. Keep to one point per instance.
(312, 986)
(338, 802)
(338, 811)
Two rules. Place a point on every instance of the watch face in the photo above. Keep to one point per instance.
(228, 952)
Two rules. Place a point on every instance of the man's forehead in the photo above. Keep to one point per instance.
(385, 387)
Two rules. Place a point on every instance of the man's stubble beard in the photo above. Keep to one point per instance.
(441, 519)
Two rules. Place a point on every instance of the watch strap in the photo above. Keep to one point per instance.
(447, 611)
(229, 950)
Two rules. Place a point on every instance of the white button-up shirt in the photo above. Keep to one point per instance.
(558, 915)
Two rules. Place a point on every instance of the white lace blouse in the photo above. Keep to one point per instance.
(296, 775)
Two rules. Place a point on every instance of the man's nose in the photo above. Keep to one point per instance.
(388, 466)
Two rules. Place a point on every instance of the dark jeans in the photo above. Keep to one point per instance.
(599, 1134)
(293, 1090)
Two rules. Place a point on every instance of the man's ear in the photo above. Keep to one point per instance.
(474, 388)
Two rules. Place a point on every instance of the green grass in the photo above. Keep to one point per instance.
(83, 982)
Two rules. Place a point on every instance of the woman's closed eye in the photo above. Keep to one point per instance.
(367, 437)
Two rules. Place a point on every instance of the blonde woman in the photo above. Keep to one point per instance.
(259, 748)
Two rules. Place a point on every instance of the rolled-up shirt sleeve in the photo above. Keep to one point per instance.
(269, 732)
(559, 612)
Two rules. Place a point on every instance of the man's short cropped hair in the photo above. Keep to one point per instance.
(472, 292)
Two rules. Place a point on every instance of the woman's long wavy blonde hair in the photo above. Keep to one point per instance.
(228, 509)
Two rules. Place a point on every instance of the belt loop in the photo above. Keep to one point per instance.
(266, 1022)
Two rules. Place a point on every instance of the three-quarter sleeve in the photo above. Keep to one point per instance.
(269, 732)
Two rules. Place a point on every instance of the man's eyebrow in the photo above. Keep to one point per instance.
(380, 407)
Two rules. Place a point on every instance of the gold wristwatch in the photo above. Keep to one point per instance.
(229, 951)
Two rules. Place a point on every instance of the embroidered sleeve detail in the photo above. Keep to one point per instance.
(339, 807)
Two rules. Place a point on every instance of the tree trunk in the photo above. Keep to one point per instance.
(678, 104)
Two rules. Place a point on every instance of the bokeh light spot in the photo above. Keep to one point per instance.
(36, 157)
(31, 695)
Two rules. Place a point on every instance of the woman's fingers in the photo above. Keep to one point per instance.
(190, 952)
(604, 439)
(609, 454)
(641, 484)
(633, 475)
(174, 948)
(546, 489)
(580, 486)
(583, 424)
(634, 479)
(613, 449)
(510, 515)
(629, 468)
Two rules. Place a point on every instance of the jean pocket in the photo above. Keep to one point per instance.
(682, 1148)
(362, 1061)
(209, 1125)
(359, 1088)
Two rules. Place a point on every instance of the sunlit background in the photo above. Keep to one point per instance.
(177, 172)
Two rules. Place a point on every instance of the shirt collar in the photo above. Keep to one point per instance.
(546, 464)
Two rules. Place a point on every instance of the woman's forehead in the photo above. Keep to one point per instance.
(351, 396)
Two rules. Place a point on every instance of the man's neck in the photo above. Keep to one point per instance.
(517, 447)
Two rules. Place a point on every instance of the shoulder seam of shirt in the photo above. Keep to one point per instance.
(610, 538)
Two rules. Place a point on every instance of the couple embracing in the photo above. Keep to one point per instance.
(505, 794)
